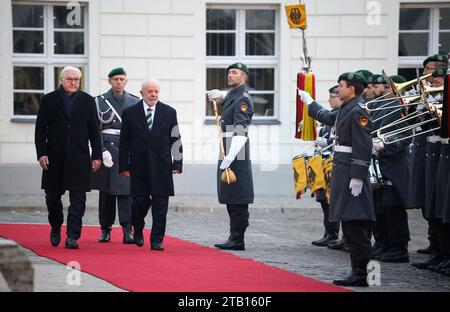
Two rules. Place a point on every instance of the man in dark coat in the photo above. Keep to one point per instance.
(351, 195)
(112, 186)
(150, 152)
(394, 160)
(235, 120)
(65, 125)
(325, 139)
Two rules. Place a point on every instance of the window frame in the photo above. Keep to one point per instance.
(252, 61)
(433, 32)
(48, 59)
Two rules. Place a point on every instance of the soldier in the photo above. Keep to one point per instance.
(434, 146)
(440, 204)
(236, 118)
(367, 94)
(351, 195)
(391, 198)
(112, 186)
(326, 138)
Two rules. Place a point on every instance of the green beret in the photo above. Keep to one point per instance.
(333, 89)
(240, 66)
(117, 71)
(365, 73)
(355, 78)
(398, 79)
(440, 72)
(378, 79)
(436, 58)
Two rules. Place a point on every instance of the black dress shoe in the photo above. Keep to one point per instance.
(434, 260)
(55, 237)
(127, 235)
(425, 251)
(105, 236)
(353, 280)
(325, 241)
(157, 246)
(231, 245)
(139, 240)
(71, 243)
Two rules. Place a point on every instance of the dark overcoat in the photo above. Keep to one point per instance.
(150, 155)
(64, 137)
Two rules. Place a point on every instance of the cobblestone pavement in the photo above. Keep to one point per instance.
(277, 237)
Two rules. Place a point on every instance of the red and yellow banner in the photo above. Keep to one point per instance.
(305, 125)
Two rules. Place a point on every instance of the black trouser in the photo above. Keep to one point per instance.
(357, 237)
(331, 228)
(139, 210)
(75, 214)
(443, 234)
(238, 216)
(107, 209)
(380, 230)
(432, 232)
(397, 226)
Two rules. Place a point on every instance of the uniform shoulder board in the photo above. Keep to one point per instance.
(133, 95)
(361, 104)
(245, 94)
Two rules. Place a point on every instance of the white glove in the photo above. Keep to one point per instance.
(107, 159)
(216, 94)
(377, 146)
(356, 186)
(237, 142)
(306, 97)
(322, 142)
(411, 92)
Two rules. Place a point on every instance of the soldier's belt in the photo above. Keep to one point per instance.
(342, 149)
(111, 131)
(229, 134)
(434, 139)
(444, 141)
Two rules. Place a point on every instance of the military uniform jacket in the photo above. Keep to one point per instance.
(395, 158)
(64, 137)
(150, 155)
(235, 119)
(108, 179)
(353, 129)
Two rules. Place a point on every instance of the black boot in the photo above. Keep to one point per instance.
(234, 242)
(438, 267)
(337, 245)
(354, 279)
(127, 235)
(55, 236)
(396, 255)
(433, 260)
(105, 237)
(327, 239)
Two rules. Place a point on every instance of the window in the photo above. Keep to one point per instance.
(247, 35)
(45, 39)
(424, 30)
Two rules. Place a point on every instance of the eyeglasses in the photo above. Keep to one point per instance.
(76, 80)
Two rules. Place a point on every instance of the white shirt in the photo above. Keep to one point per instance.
(146, 106)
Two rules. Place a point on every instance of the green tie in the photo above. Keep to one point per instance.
(149, 118)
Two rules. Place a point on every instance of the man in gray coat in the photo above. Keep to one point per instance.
(351, 195)
(113, 187)
(236, 118)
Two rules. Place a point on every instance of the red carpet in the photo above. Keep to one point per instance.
(182, 267)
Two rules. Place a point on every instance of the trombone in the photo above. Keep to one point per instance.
(397, 88)
(435, 110)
